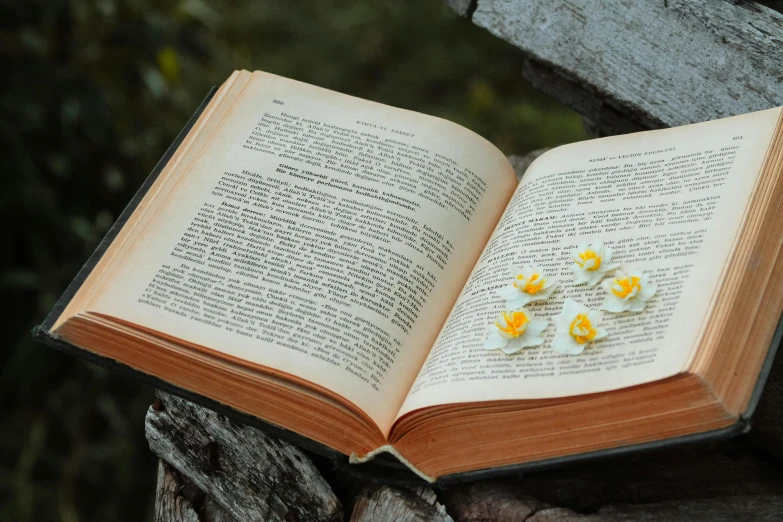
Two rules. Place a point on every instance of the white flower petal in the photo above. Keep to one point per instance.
(633, 272)
(593, 316)
(594, 277)
(600, 333)
(528, 339)
(636, 305)
(536, 326)
(607, 284)
(571, 309)
(580, 276)
(647, 291)
(546, 292)
(508, 292)
(520, 300)
(614, 304)
(494, 340)
(564, 343)
(562, 322)
(512, 348)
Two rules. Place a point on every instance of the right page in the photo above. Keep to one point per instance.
(668, 202)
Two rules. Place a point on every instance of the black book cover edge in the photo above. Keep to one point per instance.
(383, 469)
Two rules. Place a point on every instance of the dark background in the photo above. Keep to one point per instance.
(92, 94)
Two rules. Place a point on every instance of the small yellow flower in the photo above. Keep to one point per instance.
(591, 262)
(576, 327)
(628, 291)
(529, 284)
(514, 330)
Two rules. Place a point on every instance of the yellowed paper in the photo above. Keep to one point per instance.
(667, 202)
(320, 235)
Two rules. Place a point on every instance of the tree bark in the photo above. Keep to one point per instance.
(179, 501)
(387, 504)
(253, 476)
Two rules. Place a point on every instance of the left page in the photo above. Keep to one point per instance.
(319, 235)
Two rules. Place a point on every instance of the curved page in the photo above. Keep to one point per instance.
(319, 235)
(668, 202)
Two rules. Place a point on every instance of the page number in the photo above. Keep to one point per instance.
(736, 138)
(277, 102)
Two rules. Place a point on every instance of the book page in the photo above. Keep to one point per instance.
(667, 202)
(320, 235)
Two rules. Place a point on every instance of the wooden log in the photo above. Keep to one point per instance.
(758, 508)
(626, 65)
(170, 506)
(387, 504)
(674, 476)
(492, 500)
(178, 501)
(253, 476)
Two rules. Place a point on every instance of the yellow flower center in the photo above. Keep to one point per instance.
(586, 256)
(515, 323)
(622, 288)
(530, 286)
(582, 329)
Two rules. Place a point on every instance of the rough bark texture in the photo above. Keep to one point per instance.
(170, 506)
(701, 472)
(177, 500)
(626, 65)
(253, 476)
(756, 508)
(493, 500)
(387, 504)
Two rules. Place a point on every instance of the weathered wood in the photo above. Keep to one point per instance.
(494, 500)
(626, 65)
(253, 476)
(758, 508)
(387, 504)
(699, 472)
(170, 506)
(177, 501)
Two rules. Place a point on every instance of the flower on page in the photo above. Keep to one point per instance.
(530, 284)
(514, 330)
(576, 327)
(628, 291)
(591, 262)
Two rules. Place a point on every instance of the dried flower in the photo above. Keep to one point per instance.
(530, 284)
(591, 262)
(515, 330)
(576, 327)
(628, 291)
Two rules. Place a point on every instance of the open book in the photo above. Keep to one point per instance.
(331, 265)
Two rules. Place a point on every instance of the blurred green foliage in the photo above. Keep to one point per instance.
(92, 94)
